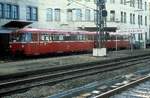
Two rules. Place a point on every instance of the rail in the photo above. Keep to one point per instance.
(122, 88)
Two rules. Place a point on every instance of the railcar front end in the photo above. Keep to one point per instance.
(20, 43)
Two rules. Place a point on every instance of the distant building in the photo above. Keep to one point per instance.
(26, 10)
(78, 14)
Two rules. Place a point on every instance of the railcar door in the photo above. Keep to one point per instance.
(35, 43)
(45, 43)
(32, 43)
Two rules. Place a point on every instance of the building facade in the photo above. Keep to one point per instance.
(124, 15)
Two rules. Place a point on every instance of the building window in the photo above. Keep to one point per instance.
(130, 18)
(69, 15)
(121, 1)
(95, 16)
(140, 4)
(145, 5)
(132, 3)
(15, 12)
(124, 2)
(112, 16)
(141, 20)
(112, 1)
(146, 20)
(1, 10)
(49, 14)
(28, 13)
(138, 1)
(146, 36)
(121, 17)
(125, 17)
(8, 11)
(57, 14)
(78, 15)
(87, 15)
(133, 18)
(32, 13)
(140, 37)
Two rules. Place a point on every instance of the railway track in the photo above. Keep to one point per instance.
(53, 75)
(142, 91)
(114, 92)
(109, 88)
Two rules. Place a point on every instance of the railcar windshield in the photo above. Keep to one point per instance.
(21, 37)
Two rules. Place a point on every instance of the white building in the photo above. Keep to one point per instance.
(123, 15)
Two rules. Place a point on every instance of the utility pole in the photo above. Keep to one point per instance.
(101, 14)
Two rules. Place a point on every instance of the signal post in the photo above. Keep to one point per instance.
(100, 49)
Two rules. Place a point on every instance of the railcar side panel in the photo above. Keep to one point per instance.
(58, 47)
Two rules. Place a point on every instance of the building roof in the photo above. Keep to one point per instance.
(16, 24)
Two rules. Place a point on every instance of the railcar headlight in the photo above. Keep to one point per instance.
(22, 46)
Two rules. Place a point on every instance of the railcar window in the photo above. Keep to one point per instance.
(89, 37)
(56, 37)
(61, 37)
(44, 37)
(112, 37)
(120, 37)
(28, 37)
(73, 37)
(83, 37)
(86, 37)
(107, 36)
(79, 37)
(13, 37)
(94, 37)
(50, 37)
(67, 38)
(126, 37)
(22, 37)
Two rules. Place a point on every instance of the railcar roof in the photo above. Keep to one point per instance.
(54, 31)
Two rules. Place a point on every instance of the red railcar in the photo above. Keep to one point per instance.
(36, 41)
(31, 41)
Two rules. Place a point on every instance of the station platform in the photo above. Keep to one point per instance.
(29, 65)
